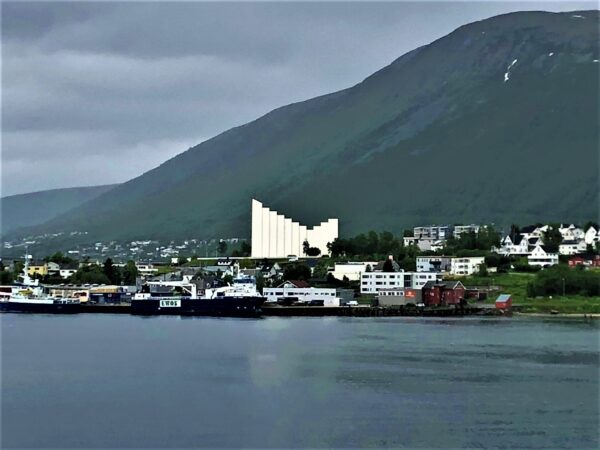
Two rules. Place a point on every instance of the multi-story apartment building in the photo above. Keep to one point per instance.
(433, 263)
(372, 282)
(466, 266)
(433, 232)
(460, 229)
(302, 291)
(449, 264)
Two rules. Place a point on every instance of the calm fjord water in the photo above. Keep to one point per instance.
(121, 381)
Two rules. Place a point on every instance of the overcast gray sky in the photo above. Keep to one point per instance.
(96, 93)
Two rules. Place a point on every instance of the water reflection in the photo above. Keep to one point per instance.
(170, 382)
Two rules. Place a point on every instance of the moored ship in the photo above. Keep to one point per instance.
(241, 299)
(29, 296)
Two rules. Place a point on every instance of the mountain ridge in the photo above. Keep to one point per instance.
(306, 159)
(34, 208)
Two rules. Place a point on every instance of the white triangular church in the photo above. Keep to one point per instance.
(276, 236)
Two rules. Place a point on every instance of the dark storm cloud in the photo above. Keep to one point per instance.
(100, 92)
(32, 20)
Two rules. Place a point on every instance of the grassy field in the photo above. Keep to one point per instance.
(516, 285)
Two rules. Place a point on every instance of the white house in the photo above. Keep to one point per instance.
(222, 270)
(538, 231)
(518, 248)
(466, 266)
(574, 240)
(539, 257)
(351, 270)
(303, 292)
(572, 247)
(591, 236)
(67, 272)
(146, 269)
(533, 242)
(53, 268)
(571, 233)
(269, 271)
(372, 282)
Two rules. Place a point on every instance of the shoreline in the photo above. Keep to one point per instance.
(560, 315)
(363, 311)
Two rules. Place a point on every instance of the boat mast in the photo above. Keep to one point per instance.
(27, 280)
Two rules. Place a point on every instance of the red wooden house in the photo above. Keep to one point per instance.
(584, 260)
(443, 293)
(576, 261)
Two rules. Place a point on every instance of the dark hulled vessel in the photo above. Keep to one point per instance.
(185, 306)
(239, 300)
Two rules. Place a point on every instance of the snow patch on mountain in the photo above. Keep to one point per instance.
(507, 73)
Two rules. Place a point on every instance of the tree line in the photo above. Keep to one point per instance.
(378, 246)
(108, 273)
(562, 280)
(87, 273)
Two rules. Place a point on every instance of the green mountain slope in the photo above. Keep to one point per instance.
(38, 207)
(436, 136)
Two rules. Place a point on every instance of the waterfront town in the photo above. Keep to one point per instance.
(300, 225)
(434, 267)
